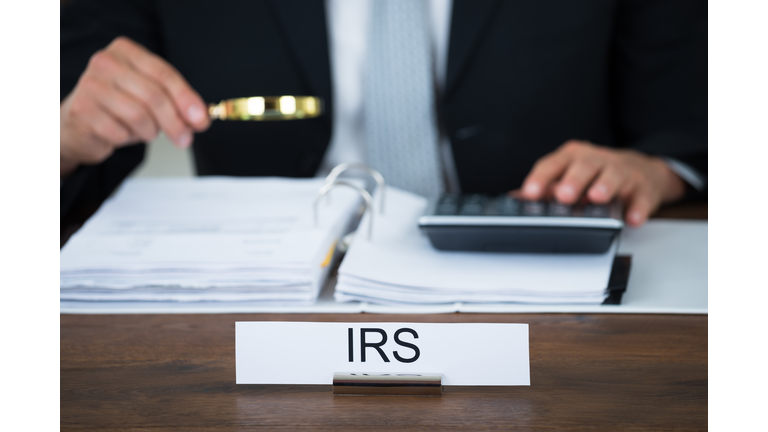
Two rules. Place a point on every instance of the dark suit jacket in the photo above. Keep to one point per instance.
(523, 77)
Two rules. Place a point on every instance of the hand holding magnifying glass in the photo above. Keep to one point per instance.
(128, 95)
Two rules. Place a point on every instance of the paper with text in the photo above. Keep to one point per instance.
(310, 353)
(206, 239)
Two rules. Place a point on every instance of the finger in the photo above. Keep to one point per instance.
(89, 121)
(577, 177)
(109, 129)
(186, 101)
(133, 139)
(147, 92)
(642, 204)
(544, 173)
(124, 108)
(159, 104)
(103, 135)
(607, 185)
(626, 192)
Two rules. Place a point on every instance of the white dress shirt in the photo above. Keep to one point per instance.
(348, 37)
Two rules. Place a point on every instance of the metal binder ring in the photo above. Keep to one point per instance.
(366, 196)
(340, 168)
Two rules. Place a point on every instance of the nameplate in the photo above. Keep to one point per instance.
(310, 353)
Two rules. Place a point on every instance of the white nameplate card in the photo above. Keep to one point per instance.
(310, 353)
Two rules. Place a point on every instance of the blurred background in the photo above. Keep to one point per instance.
(163, 159)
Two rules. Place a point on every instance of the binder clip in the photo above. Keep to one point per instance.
(387, 384)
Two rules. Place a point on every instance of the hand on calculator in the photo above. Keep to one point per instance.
(579, 168)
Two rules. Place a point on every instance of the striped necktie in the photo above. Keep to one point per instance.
(401, 133)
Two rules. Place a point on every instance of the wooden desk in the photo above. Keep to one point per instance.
(609, 372)
(592, 371)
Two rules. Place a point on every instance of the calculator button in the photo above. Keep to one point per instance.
(534, 208)
(559, 209)
(449, 199)
(507, 206)
(447, 206)
(446, 209)
(600, 211)
(473, 205)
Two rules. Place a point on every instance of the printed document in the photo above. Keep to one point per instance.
(398, 265)
(207, 239)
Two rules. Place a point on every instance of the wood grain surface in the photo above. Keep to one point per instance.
(588, 372)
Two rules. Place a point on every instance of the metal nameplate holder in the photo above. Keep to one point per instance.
(387, 384)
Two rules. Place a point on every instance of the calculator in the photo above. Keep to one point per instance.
(508, 224)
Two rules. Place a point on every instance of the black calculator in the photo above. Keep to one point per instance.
(508, 224)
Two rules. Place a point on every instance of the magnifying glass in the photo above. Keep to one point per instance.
(267, 108)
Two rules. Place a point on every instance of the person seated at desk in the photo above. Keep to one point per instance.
(601, 99)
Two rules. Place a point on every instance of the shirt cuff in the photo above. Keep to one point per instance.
(690, 175)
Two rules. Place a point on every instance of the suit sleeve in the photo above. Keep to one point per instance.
(86, 27)
(660, 70)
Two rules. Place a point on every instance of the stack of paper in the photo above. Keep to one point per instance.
(207, 239)
(399, 266)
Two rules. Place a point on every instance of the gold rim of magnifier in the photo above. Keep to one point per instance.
(267, 108)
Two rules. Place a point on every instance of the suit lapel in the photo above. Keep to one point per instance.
(468, 27)
(305, 30)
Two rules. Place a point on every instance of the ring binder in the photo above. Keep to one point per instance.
(366, 196)
(386, 384)
(342, 167)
